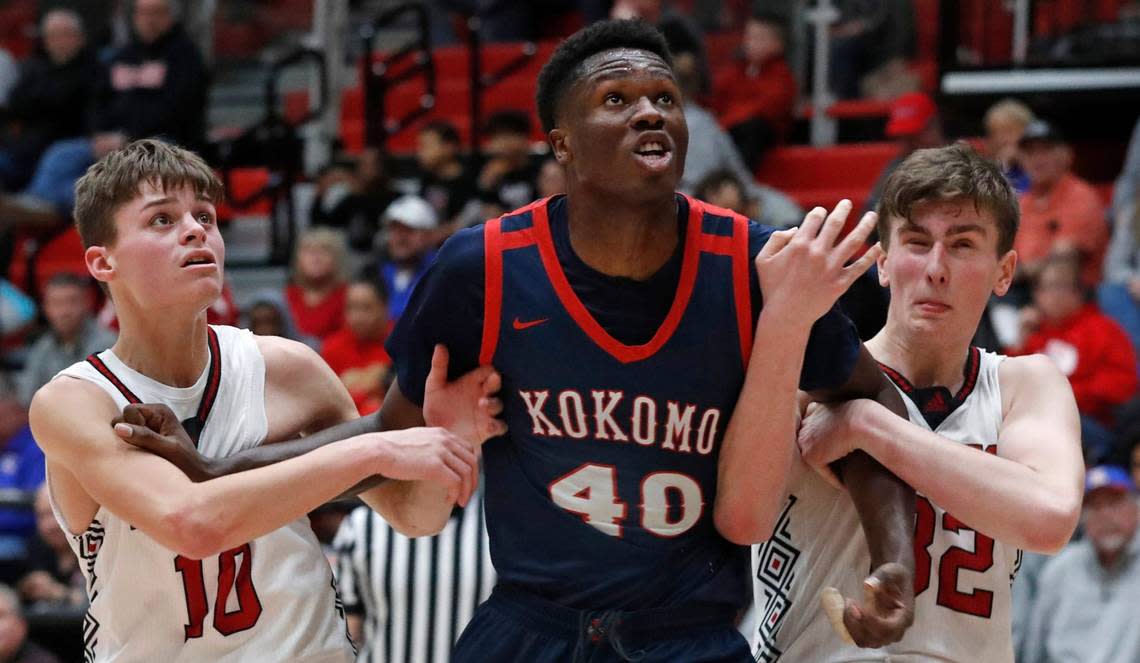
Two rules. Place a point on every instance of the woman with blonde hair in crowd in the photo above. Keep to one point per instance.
(316, 292)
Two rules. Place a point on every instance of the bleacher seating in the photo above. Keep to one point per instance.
(824, 176)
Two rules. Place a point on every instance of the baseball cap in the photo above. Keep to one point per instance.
(910, 113)
(1040, 130)
(1109, 476)
(413, 212)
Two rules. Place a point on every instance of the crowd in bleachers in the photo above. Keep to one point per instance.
(377, 219)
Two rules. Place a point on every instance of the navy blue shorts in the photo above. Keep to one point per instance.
(515, 626)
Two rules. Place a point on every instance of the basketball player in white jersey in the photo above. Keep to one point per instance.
(223, 570)
(992, 446)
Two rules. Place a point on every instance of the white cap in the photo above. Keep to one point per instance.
(413, 212)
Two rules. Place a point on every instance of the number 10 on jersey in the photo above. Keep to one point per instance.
(590, 491)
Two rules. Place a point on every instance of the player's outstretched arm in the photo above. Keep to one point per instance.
(802, 273)
(1026, 495)
(71, 420)
(885, 505)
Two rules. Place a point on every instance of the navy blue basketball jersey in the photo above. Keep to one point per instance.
(601, 494)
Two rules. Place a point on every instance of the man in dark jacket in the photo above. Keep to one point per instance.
(155, 86)
(50, 100)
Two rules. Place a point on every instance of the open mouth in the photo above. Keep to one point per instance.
(199, 259)
(651, 149)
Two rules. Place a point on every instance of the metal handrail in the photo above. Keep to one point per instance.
(377, 78)
(481, 82)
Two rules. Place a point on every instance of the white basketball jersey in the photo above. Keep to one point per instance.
(272, 599)
(962, 577)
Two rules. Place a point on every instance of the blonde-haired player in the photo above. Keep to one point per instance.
(223, 570)
(992, 445)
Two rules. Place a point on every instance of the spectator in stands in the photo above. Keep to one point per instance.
(1059, 211)
(21, 473)
(14, 644)
(52, 575)
(268, 314)
(507, 180)
(410, 238)
(50, 100)
(443, 180)
(1005, 122)
(723, 189)
(551, 179)
(317, 289)
(72, 333)
(356, 352)
(352, 196)
(755, 95)
(1119, 294)
(914, 123)
(711, 149)
(156, 86)
(871, 42)
(1085, 609)
(1087, 346)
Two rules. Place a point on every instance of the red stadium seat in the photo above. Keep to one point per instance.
(62, 253)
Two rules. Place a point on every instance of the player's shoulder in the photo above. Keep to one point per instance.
(1032, 379)
(462, 253)
(65, 407)
(1016, 374)
(720, 221)
(289, 362)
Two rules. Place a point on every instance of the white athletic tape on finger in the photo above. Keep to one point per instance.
(832, 602)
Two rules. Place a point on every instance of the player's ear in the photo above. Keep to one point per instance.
(881, 268)
(99, 263)
(1007, 265)
(560, 144)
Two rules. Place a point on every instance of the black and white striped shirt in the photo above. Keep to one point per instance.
(415, 595)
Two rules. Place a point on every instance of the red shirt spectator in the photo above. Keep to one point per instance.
(356, 352)
(316, 295)
(754, 97)
(321, 318)
(1059, 210)
(1087, 346)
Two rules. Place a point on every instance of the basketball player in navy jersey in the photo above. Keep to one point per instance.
(622, 318)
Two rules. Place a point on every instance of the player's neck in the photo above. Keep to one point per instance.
(171, 349)
(925, 360)
(623, 239)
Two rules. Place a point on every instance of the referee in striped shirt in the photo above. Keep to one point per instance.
(407, 600)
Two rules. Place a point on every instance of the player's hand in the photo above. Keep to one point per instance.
(829, 432)
(155, 428)
(431, 454)
(467, 406)
(803, 271)
(887, 609)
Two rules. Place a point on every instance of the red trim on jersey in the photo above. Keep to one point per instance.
(577, 310)
(215, 380)
(742, 286)
(971, 371)
(492, 288)
(95, 361)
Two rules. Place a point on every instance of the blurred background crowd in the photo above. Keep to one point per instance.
(355, 136)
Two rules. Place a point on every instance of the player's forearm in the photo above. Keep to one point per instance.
(999, 497)
(217, 515)
(269, 454)
(886, 509)
(412, 508)
(756, 453)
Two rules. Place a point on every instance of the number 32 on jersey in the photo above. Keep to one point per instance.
(590, 491)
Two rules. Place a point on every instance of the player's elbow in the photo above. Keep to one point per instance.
(414, 527)
(741, 526)
(192, 533)
(1054, 527)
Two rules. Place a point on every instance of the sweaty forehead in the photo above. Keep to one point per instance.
(619, 62)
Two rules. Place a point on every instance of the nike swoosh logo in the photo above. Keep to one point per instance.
(520, 325)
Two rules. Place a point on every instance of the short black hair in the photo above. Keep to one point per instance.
(508, 122)
(444, 129)
(560, 72)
